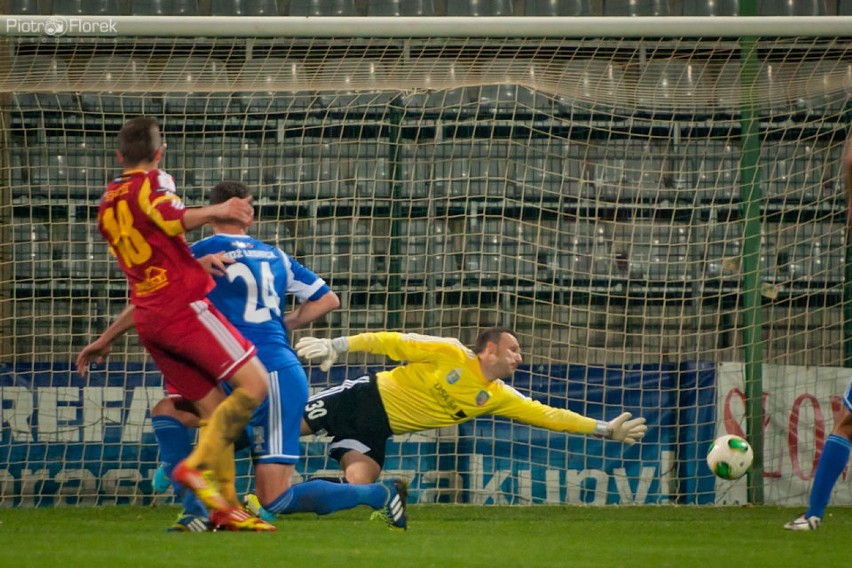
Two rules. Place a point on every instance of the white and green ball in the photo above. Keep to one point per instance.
(730, 457)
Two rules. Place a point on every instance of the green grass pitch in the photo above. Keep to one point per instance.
(441, 536)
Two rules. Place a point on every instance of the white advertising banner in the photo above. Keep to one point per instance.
(800, 406)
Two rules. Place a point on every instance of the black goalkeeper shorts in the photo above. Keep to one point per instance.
(353, 415)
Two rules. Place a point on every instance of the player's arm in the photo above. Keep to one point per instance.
(311, 310)
(100, 348)
(160, 202)
(235, 210)
(623, 428)
(315, 298)
(397, 346)
(216, 264)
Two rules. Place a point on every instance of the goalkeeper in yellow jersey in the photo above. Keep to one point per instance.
(440, 384)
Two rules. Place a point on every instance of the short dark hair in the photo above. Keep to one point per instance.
(225, 190)
(139, 139)
(490, 335)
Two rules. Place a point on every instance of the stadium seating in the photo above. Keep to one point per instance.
(24, 7)
(401, 8)
(639, 8)
(415, 170)
(480, 8)
(323, 8)
(719, 247)
(674, 86)
(545, 169)
(118, 75)
(793, 171)
(711, 7)
(562, 8)
(439, 77)
(32, 256)
(772, 79)
(203, 84)
(821, 87)
(165, 8)
(207, 162)
(788, 8)
(658, 253)
(584, 253)
(285, 80)
(478, 168)
(366, 97)
(370, 169)
(334, 175)
(46, 73)
(591, 86)
(715, 164)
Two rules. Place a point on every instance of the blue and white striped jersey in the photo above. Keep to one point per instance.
(252, 294)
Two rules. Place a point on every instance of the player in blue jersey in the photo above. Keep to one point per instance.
(252, 280)
(838, 446)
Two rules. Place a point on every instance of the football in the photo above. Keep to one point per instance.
(729, 457)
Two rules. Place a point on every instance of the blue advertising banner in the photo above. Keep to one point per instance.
(69, 440)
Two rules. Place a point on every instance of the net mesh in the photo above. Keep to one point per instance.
(583, 192)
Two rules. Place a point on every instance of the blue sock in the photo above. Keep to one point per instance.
(835, 455)
(324, 497)
(175, 444)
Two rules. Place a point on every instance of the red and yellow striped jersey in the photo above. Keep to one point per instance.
(141, 217)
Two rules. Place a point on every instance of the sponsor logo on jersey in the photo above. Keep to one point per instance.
(443, 398)
(155, 279)
(482, 397)
(453, 376)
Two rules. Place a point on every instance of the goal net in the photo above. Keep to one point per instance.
(591, 194)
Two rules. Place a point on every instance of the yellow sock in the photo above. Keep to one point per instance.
(223, 427)
(226, 474)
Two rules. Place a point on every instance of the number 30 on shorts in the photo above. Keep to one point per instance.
(316, 410)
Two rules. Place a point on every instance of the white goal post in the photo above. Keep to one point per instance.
(654, 205)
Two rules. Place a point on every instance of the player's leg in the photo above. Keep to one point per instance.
(172, 420)
(228, 418)
(359, 468)
(198, 351)
(325, 497)
(335, 412)
(835, 456)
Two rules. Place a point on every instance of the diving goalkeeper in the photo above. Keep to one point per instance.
(441, 384)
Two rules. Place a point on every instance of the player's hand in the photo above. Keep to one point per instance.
(215, 264)
(623, 429)
(323, 350)
(96, 351)
(237, 209)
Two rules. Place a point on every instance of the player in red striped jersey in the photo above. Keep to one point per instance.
(195, 347)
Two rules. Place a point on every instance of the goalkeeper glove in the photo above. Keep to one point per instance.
(622, 428)
(324, 350)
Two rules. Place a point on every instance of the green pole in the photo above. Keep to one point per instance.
(847, 299)
(847, 271)
(752, 197)
(394, 265)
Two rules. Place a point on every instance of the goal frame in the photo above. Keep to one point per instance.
(744, 30)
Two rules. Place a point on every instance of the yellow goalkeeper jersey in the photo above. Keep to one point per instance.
(441, 384)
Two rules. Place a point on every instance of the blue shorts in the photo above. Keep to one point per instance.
(274, 427)
(847, 397)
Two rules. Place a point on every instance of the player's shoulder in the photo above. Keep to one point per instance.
(162, 181)
(451, 343)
